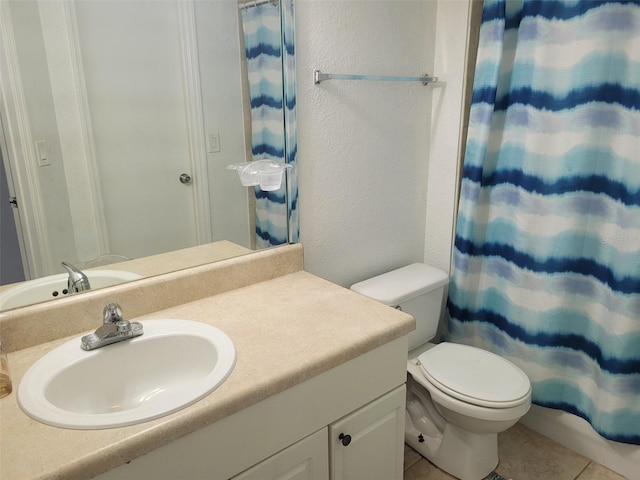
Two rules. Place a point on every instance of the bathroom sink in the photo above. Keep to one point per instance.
(173, 365)
(55, 286)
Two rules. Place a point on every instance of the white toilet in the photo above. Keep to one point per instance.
(458, 397)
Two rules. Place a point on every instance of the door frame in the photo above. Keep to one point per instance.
(195, 120)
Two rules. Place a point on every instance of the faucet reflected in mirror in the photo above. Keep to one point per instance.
(78, 281)
(111, 104)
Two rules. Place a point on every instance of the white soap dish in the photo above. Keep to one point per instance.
(266, 173)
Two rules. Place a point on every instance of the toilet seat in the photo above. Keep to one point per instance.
(474, 376)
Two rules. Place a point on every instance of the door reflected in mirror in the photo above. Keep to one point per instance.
(120, 120)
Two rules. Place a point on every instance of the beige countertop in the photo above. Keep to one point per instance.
(180, 259)
(285, 330)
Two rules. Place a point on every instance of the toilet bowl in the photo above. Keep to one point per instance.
(477, 396)
(459, 397)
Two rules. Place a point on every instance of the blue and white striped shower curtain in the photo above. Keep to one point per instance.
(547, 250)
(263, 37)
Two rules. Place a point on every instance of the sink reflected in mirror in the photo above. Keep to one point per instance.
(133, 269)
(173, 365)
(55, 286)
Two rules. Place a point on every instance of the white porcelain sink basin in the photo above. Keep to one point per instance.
(173, 365)
(55, 286)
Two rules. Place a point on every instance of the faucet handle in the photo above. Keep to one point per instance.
(112, 313)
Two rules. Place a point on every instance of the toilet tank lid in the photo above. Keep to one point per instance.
(397, 286)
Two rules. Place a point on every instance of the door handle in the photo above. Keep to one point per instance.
(185, 178)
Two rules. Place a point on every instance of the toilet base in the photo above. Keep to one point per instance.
(463, 454)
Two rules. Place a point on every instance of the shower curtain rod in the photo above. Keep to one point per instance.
(318, 77)
(255, 3)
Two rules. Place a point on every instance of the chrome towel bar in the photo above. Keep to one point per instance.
(318, 77)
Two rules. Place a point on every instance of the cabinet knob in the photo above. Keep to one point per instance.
(346, 439)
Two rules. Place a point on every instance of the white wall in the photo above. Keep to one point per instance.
(363, 146)
(378, 161)
(452, 33)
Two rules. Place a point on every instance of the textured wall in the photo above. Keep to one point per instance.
(368, 191)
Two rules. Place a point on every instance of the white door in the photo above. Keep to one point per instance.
(369, 443)
(132, 55)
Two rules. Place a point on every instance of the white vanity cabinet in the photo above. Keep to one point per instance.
(304, 460)
(372, 449)
(295, 434)
(369, 443)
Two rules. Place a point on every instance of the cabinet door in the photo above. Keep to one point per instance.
(307, 459)
(368, 443)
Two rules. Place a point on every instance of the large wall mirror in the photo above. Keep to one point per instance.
(120, 119)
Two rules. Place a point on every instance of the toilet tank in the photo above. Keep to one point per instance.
(417, 290)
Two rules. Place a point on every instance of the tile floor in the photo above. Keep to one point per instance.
(524, 455)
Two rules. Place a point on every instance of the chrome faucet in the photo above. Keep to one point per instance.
(114, 329)
(78, 281)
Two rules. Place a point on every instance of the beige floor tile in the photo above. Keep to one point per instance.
(527, 455)
(410, 456)
(598, 472)
(524, 455)
(423, 470)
